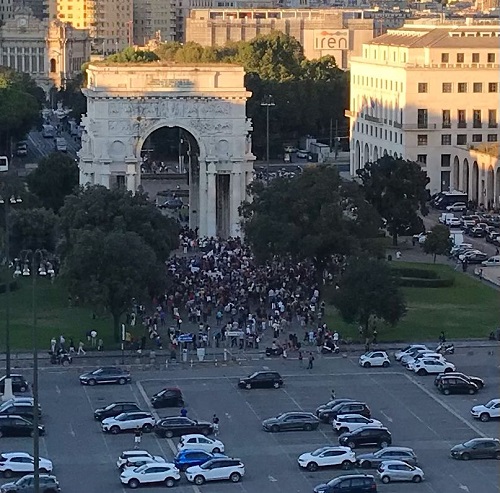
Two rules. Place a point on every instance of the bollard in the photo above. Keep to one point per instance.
(166, 364)
(191, 362)
(225, 354)
(216, 363)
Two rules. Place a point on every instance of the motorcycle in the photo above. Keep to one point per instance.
(330, 348)
(445, 348)
(60, 358)
(277, 351)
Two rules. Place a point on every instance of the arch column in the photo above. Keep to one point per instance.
(237, 183)
(211, 200)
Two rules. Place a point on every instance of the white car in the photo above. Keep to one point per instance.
(127, 454)
(302, 153)
(374, 358)
(328, 456)
(200, 442)
(21, 463)
(487, 411)
(453, 222)
(399, 354)
(469, 253)
(397, 470)
(457, 207)
(134, 462)
(492, 261)
(216, 470)
(129, 421)
(165, 473)
(425, 366)
(413, 354)
(427, 355)
(344, 423)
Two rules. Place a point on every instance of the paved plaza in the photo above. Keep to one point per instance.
(416, 414)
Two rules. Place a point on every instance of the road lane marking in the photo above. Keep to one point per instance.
(58, 390)
(386, 417)
(72, 431)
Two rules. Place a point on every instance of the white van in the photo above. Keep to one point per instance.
(445, 216)
(457, 237)
(492, 261)
(61, 145)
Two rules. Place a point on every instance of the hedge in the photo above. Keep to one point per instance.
(415, 273)
(13, 286)
(418, 282)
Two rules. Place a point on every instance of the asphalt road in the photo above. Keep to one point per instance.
(417, 415)
(39, 146)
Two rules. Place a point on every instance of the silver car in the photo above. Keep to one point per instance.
(397, 470)
(374, 459)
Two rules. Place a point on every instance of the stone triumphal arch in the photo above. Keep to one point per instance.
(128, 102)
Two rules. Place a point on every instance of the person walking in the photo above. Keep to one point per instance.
(301, 359)
(80, 349)
(137, 437)
(184, 412)
(215, 422)
(311, 360)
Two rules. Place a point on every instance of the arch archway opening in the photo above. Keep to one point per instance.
(490, 182)
(456, 174)
(475, 183)
(466, 179)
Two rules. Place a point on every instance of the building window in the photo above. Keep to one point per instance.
(461, 139)
(492, 137)
(462, 119)
(445, 160)
(445, 57)
(475, 58)
(446, 139)
(476, 119)
(493, 87)
(460, 58)
(422, 118)
(477, 138)
(422, 140)
(446, 119)
(491, 57)
(492, 119)
(446, 86)
(422, 87)
(477, 87)
(462, 87)
(422, 159)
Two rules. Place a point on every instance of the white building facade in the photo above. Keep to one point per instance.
(429, 93)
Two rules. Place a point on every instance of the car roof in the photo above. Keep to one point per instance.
(339, 416)
(191, 450)
(136, 452)
(175, 389)
(394, 462)
(196, 435)
(348, 402)
(15, 454)
(399, 449)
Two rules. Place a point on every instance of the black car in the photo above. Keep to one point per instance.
(291, 422)
(380, 437)
(108, 374)
(261, 380)
(477, 448)
(351, 407)
(478, 381)
(26, 484)
(477, 258)
(177, 426)
(477, 232)
(330, 405)
(23, 409)
(456, 385)
(170, 397)
(352, 483)
(173, 203)
(19, 384)
(115, 409)
(16, 426)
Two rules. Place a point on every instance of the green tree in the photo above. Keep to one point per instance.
(96, 207)
(131, 55)
(109, 268)
(166, 51)
(397, 189)
(438, 241)
(54, 179)
(32, 229)
(72, 97)
(367, 291)
(312, 216)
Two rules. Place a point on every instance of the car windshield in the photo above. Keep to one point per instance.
(96, 372)
(141, 468)
(253, 375)
(490, 404)
(469, 443)
(121, 417)
(280, 415)
(206, 465)
(111, 406)
(319, 451)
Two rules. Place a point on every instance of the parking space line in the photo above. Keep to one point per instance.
(446, 406)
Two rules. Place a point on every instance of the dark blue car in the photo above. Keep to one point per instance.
(193, 457)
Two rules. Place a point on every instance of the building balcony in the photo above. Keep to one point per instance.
(446, 125)
(397, 125)
(477, 125)
(373, 119)
(418, 126)
(462, 124)
(492, 125)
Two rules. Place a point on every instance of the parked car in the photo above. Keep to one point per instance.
(302, 154)
(330, 405)
(261, 379)
(413, 354)
(487, 411)
(408, 349)
(19, 383)
(16, 426)
(477, 448)
(374, 358)
(22, 148)
(397, 470)
(109, 374)
(367, 436)
(427, 355)
(188, 458)
(114, 409)
(292, 421)
(478, 381)
(328, 457)
(200, 442)
(426, 366)
(492, 237)
(173, 203)
(216, 470)
(457, 207)
(492, 261)
(129, 422)
(350, 407)
(453, 222)
(374, 459)
(350, 422)
(169, 397)
(130, 454)
(477, 258)
(133, 462)
(457, 385)
(352, 483)
(23, 409)
(26, 484)
(179, 425)
(22, 463)
(477, 232)
(165, 473)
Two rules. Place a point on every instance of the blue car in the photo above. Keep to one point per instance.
(193, 457)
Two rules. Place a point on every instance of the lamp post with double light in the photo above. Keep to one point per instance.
(267, 102)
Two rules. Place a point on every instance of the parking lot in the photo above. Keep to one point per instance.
(415, 413)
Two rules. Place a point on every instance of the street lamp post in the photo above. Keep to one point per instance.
(268, 102)
(7, 394)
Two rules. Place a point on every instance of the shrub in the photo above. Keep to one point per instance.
(414, 273)
(3, 286)
(420, 278)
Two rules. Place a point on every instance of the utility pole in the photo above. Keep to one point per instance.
(268, 102)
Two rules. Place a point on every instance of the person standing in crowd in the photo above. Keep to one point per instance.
(215, 423)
